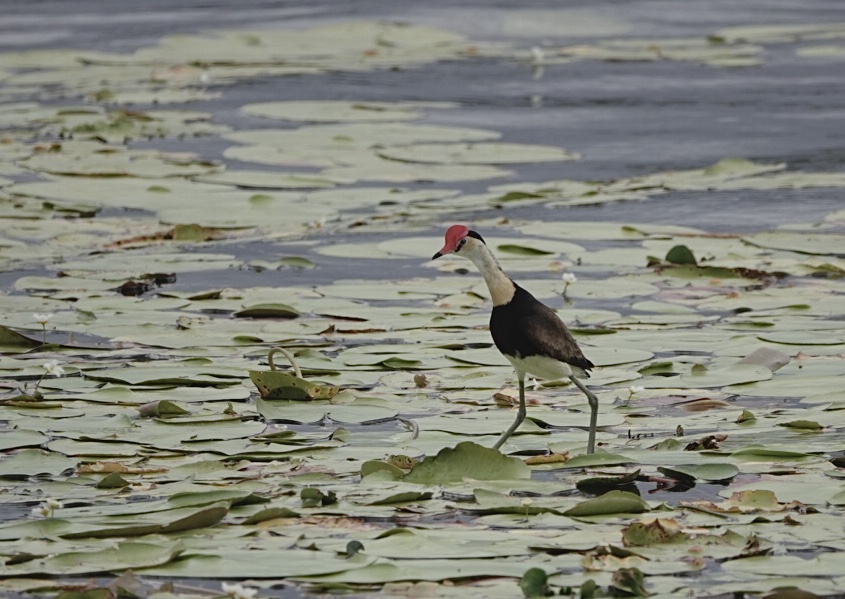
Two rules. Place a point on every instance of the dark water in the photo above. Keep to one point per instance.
(624, 119)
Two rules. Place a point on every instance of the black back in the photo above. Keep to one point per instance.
(526, 327)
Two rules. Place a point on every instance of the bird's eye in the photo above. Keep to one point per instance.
(461, 244)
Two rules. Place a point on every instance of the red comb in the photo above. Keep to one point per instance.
(454, 234)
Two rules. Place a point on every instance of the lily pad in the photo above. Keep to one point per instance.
(477, 153)
(283, 385)
(467, 460)
(336, 111)
(612, 502)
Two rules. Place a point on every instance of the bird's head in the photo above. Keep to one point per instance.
(461, 241)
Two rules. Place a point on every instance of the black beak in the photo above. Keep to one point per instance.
(436, 256)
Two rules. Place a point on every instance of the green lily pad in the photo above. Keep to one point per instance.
(118, 557)
(162, 409)
(613, 502)
(467, 460)
(711, 472)
(476, 153)
(10, 338)
(265, 180)
(268, 311)
(273, 384)
(680, 254)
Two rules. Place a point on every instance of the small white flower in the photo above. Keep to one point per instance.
(527, 501)
(569, 278)
(537, 54)
(42, 511)
(52, 367)
(42, 319)
(237, 591)
(53, 504)
(534, 384)
(632, 391)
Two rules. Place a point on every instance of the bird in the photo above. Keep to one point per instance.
(527, 332)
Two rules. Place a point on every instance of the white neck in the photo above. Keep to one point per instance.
(500, 285)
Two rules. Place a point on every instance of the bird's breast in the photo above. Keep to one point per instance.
(543, 367)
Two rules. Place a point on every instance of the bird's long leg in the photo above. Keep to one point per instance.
(520, 415)
(594, 413)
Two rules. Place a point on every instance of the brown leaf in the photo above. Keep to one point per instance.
(552, 458)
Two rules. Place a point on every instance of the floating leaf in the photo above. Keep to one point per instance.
(467, 461)
(599, 458)
(711, 472)
(521, 250)
(602, 484)
(746, 416)
(630, 581)
(112, 481)
(162, 408)
(375, 467)
(763, 453)
(477, 153)
(404, 497)
(353, 547)
(313, 497)
(653, 532)
(193, 232)
(680, 254)
(266, 180)
(613, 502)
(117, 557)
(268, 311)
(534, 583)
(10, 338)
(274, 384)
(803, 425)
(15, 439)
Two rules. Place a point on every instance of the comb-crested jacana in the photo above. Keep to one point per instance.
(529, 333)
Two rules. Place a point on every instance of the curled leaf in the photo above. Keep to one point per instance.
(275, 384)
(161, 409)
(535, 583)
(680, 254)
(804, 425)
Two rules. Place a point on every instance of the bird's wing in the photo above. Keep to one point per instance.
(551, 337)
